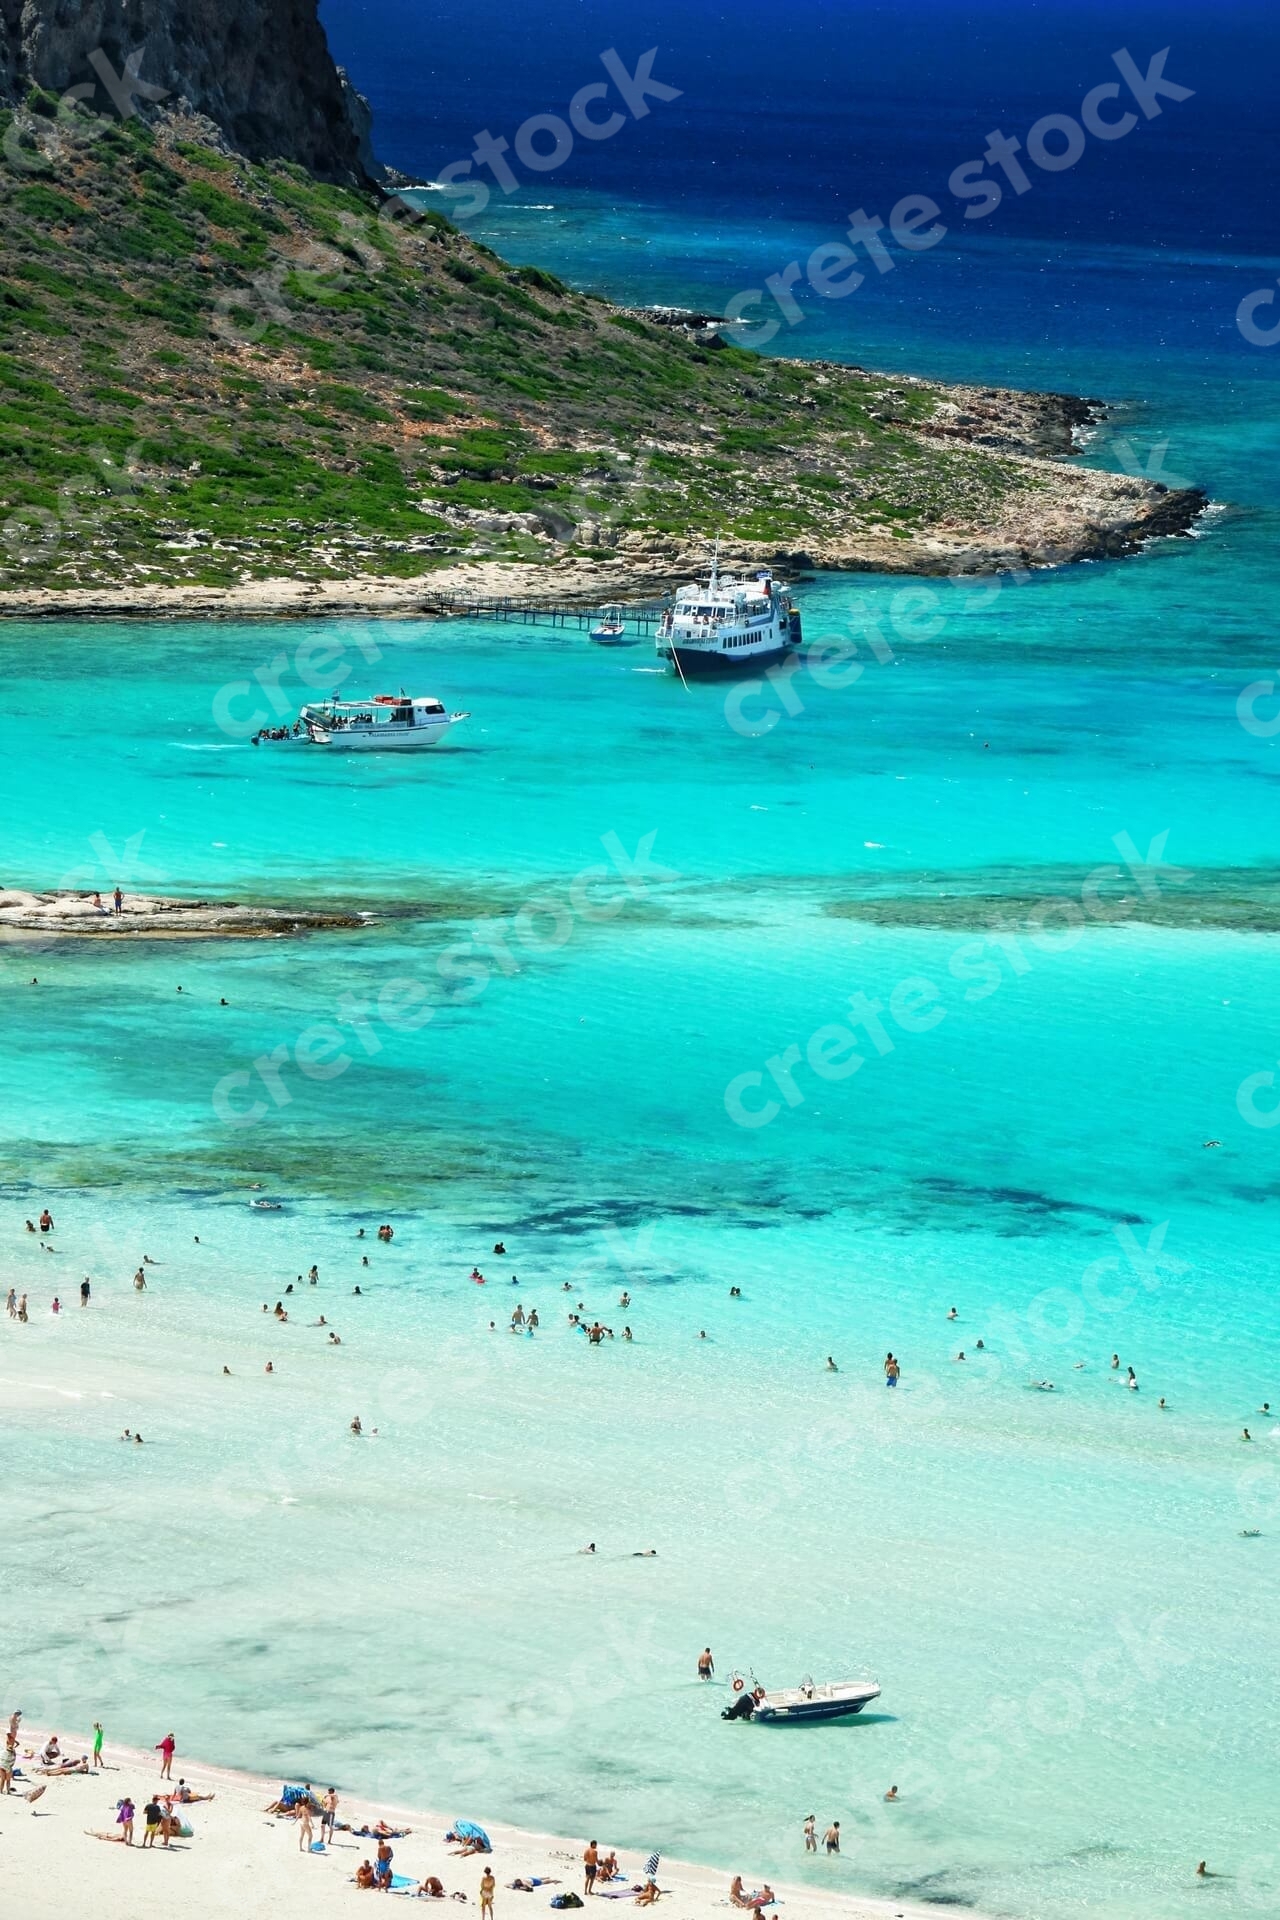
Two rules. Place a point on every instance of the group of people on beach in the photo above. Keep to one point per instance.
(160, 1818)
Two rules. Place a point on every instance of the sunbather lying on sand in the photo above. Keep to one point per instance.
(68, 1766)
(528, 1886)
(379, 1831)
(470, 1846)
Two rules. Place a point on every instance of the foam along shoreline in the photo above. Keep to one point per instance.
(241, 1864)
(151, 916)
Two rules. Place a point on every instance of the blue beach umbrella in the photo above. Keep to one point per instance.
(651, 1866)
(468, 1830)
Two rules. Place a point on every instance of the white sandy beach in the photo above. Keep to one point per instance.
(242, 1863)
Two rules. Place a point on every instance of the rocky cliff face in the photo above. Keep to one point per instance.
(260, 69)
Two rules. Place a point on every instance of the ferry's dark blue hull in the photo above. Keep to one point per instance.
(694, 664)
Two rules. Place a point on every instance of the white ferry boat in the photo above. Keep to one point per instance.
(390, 722)
(728, 626)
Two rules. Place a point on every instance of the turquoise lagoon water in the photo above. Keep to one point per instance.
(1052, 1590)
(1077, 1648)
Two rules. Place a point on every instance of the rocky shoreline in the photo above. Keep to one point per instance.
(1063, 515)
(63, 913)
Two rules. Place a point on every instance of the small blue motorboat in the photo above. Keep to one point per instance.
(794, 1706)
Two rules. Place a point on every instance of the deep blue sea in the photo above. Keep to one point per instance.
(631, 920)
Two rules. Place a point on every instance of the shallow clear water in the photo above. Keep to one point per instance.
(1076, 1646)
(1051, 1589)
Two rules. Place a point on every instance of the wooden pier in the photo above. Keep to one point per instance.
(641, 617)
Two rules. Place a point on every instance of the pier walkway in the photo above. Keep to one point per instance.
(641, 617)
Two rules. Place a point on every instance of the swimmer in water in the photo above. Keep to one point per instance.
(626, 1333)
(334, 1340)
(960, 1355)
(1115, 1361)
(269, 1368)
(735, 1293)
(831, 1365)
(892, 1794)
(355, 1289)
(226, 1370)
(624, 1299)
(1132, 1381)
(588, 1549)
(952, 1315)
(356, 1426)
(1245, 1434)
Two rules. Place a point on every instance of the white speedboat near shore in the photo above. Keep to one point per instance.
(832, 1700)
(390, 722)
(611, 630)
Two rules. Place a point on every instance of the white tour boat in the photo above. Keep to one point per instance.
(390, 722)
(728, 626)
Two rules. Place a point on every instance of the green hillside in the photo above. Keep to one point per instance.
(212, 370)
